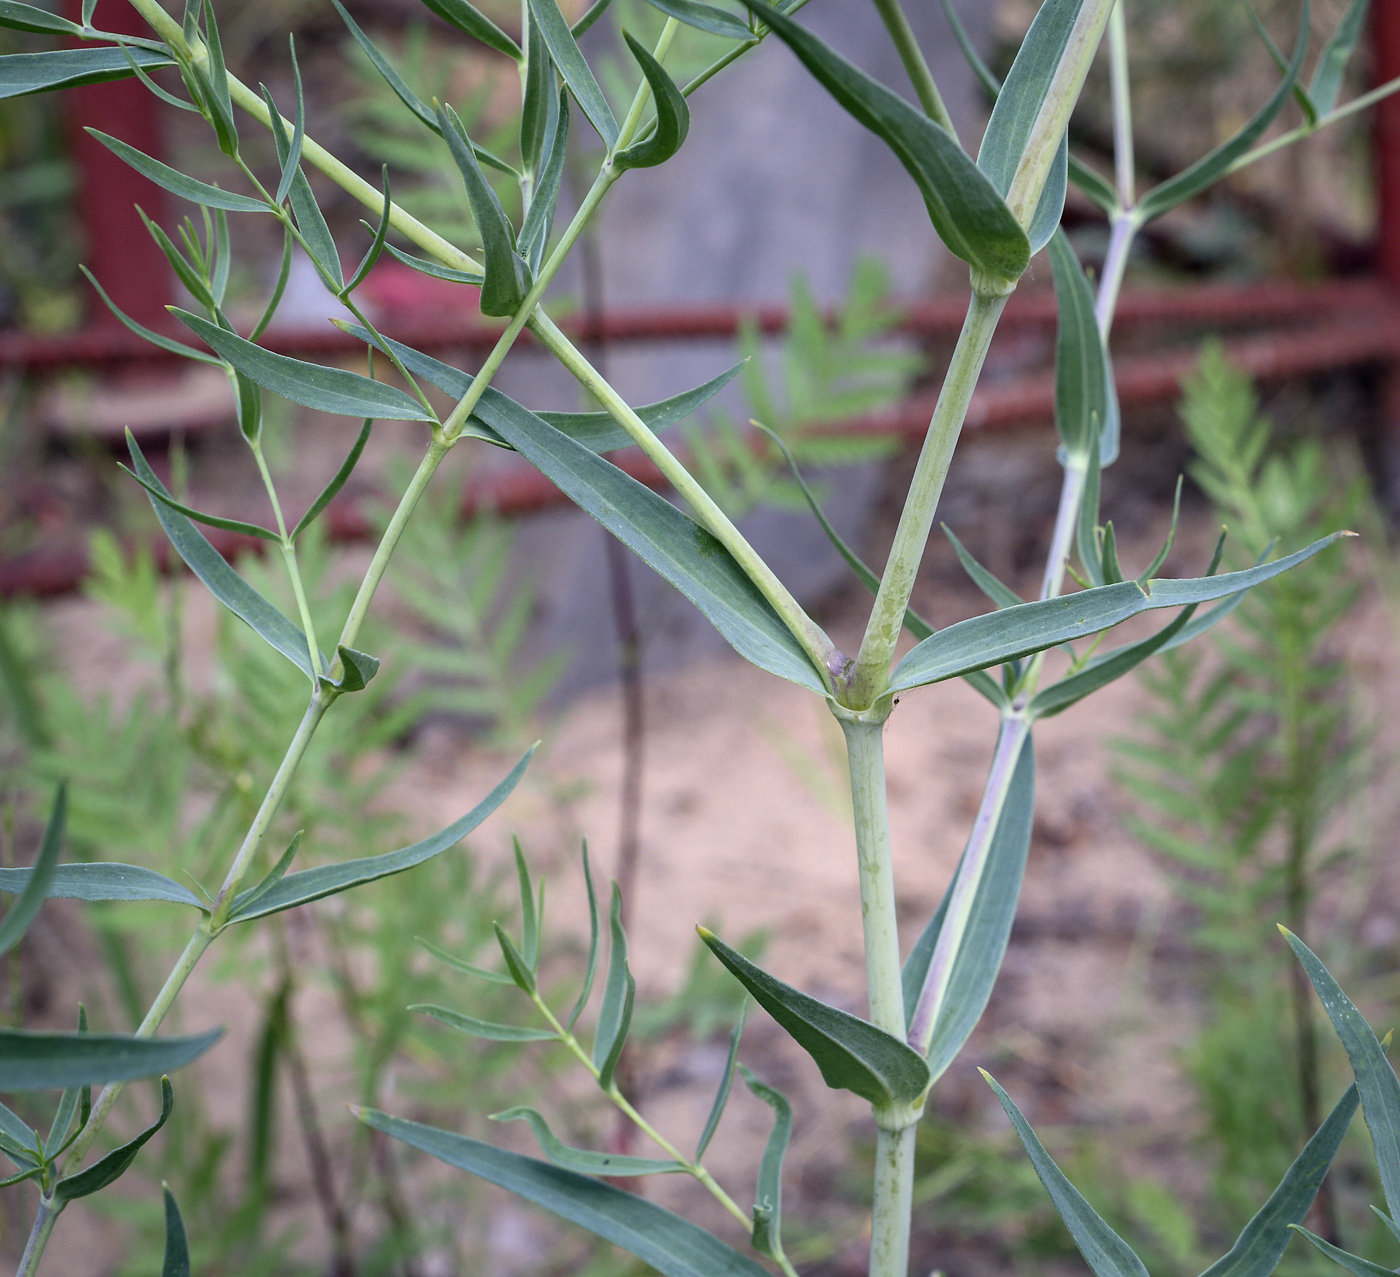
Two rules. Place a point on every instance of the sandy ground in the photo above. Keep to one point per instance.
(744, 827)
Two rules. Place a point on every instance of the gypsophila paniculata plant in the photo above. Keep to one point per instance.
(995, 211)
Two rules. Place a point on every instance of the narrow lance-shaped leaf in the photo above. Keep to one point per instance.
(967, 210)
(39, 877)
(977, 960)
(1375, 1079)
(672, 115)
(619, 993)
(705, 17)
(539, 217)
(25, 17)
(582, 1161)
(1103, 1250)
(529, 919)
(291, 162)
(25, 73)
(31, 1061)
(338, 481)
(222, 581)
(147, 334)
(18, 1141)
(852, 1054)
(563, 48)
(726, 1082)
(593, 13)
(1086, 398)
(109, 1169)
(1209, 168)
(332, 390)
(177, 1250)
(596, 431)
(671, 1245)
(471, 21)
(467, 968)
(1019, 105)
(520, 972)
(276, 873)
(1261, 1244)
(1336, 53)
(768, 1200)
(98, 880)
(381, 64)
(996, 590)
(507, 275)
(591, 967)
(210, 520)
(213, 79)
(315, 233)
(539, 96)
(1352, 1263)
(328, 880)
(1013, 632)
(484, 1029)
(664, 538)
(172, 180)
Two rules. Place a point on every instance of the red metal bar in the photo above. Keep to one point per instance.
(1028, 400)
(433, 328)
(1385, 37)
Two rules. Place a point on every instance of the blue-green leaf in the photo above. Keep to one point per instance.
(596, 431)
(187, 188)
(852, 1054)
(529, 918)
(967, 210)
(328, 493)
(1086, 398)
(665, 539)
(23, 73)
(329, 880)
(177, 1249)
(1000, 593)
(539, 217)
(311, 222)
(671, 1245)
(508, 276)
(521, 972)
(471, 21)
(109, 1169)
(332, 390)
(357, 669)
(381, 64)
(291, 162)
(540, 97)
(978, 958)
(31, 1061)
(591, 967)
(466, 968)
(726, 1081)
(672, 115)
(563, 48)
(1013, 632)
(211, 520)
(25, 17)
(1352, 1263)
(705, 17)
(1375, 1079)
(1261, 1244)
(484, 1028)
(147, 334)
(619, 993)
(1103, 1250)
(276, 873)
(768, 1200)
(39, 877)
(1205, 171)
(103, 881)
(1336, 53)
(223, 582)
(1018, 106)
(582, 1161)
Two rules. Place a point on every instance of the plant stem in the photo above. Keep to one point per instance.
(1066, 524)
(1015, 728)
(897, 583)
(1123, 231)
(1123, 163)
(866, 758)
(893, 1208)
(44, 1220)
(915, 64)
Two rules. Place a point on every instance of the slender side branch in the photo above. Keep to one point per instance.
(915, 64)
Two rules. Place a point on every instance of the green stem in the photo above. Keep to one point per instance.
(44, 1220)
(819, 648)
(695, 1169)
(289, 558)
(886, 622)
(915, 64)
(866, 759)
(893, 1206)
